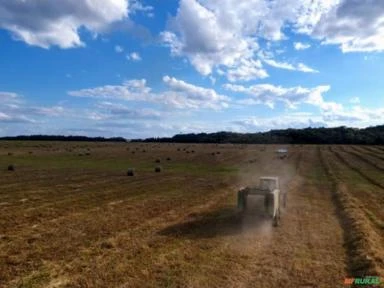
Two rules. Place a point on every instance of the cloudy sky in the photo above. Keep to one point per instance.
(142, 68)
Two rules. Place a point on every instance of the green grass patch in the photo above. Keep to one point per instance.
(108, 163)
(374, 219)
(62, 161)
(197, 168)
(36, 279)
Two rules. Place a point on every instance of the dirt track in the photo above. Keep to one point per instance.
(307, 250)
(80, 222)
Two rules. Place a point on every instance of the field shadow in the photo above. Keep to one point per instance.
(225, 221)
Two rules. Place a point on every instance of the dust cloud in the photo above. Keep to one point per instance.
(256, 225)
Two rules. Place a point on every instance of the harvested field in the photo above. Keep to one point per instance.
(70, 221)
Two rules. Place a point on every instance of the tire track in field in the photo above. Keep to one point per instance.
(23, 181)
(298, 253)
(369, 152)
(61, 187)
(273, 258)
(372, 149)
(365, 253)
(371, 196)
(246, 247)
(303, 252)
(68, 202)
(357, 154)
(81, 226)
(354, 168)
(193, 220)
(381, 148)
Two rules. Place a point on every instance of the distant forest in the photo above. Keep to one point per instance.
(63, 138)
(338, 135)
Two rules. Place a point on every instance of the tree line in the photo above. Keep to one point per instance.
(63, 138)
(338, 135)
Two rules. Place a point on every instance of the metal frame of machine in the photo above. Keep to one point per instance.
(269, 187)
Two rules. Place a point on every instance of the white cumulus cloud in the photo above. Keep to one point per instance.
(220, 34)
(178, 94)
(291, 120)
(208, 40)
(224, 33)
(269, 95)
(304, 68)
(134, 56)
(119, 49)
(135, 6)
(301, 46)
(356, 26)
(182, 94)
(8, 96)
(45, 23)
(246, 70)
(287, 66)
(130, 90)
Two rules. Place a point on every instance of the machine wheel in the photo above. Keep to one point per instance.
(242, 200)
(276, 219)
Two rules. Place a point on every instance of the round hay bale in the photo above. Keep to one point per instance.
(131, 172)
(11, 168)
(157, 161)
(168, 158)
(158, 169)
(10, 154)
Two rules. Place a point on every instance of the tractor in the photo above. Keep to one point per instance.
(269, 188)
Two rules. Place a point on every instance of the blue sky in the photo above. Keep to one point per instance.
(156, 68)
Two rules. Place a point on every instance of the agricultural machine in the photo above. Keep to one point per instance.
(282, 153)
(269, 188)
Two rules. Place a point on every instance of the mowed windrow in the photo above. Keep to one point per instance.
(109, 219)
